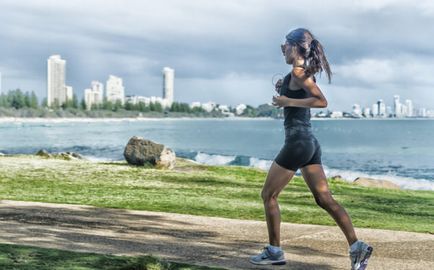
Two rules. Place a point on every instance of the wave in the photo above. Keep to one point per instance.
(402, 181)
(21, 120)
(349, 176)
(213, 159)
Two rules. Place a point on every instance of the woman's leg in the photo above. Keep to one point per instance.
(277, 178)
(316, 180)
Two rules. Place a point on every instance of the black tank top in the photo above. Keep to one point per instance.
(295, 116)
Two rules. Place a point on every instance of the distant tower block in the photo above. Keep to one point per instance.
(56, 80)
(168, 81)
(115, 89)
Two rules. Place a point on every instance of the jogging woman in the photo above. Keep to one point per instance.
(298, 92)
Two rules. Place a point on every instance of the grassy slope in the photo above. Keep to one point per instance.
(224, 191)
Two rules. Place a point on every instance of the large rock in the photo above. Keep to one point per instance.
(370, 182)
(140, 151)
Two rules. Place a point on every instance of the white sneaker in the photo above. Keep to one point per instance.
(267, 257)
(359, 257)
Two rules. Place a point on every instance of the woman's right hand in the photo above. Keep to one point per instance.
(278, 85)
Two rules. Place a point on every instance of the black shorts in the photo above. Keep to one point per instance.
(301, 148)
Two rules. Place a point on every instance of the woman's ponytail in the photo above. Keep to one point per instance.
(316, 60)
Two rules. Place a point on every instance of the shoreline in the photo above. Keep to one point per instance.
(136, 119)
(112, 119)
(404, 183)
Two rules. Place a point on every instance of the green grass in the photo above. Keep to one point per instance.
(222, 191)
(32, 258)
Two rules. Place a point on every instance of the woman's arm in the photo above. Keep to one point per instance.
(317, 99)
(310, 102)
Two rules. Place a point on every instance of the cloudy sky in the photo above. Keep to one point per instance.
(224, 51)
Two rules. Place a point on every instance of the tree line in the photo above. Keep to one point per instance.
(18, 99)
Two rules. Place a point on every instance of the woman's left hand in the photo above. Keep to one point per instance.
(280, 101)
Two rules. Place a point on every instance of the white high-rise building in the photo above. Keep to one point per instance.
(168, 84)
(422, 112)
(396, 106)
(88, 98)
(98, 91)
(115, 90)
(56, 88)
(93, 95)
(374, 110)
(404, 110)
(357, 111)
(389, 111)
(381, 108)
(69, 92)
(367, 112)
(56, 80)
(409, 105)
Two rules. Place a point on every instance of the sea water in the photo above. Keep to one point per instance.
(400, 150)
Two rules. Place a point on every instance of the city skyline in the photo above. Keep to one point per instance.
(59, 93)
(380, 109)
(56, 88)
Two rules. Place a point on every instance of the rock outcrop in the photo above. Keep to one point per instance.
(63, 155)
(338, 178)
(370, 182)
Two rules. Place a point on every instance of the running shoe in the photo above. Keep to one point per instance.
(359, 257)
(267, 257)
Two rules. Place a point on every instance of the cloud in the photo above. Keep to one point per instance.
(225, 51)
(368, 71)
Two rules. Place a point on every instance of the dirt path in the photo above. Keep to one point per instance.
(201, 240)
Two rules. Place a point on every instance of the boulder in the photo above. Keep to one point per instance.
(370, 182)
(167, 159)
(140, 151)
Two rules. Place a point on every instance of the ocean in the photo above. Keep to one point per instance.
(399, 150)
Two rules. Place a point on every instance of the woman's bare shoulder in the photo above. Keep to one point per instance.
(299, 74)
(300, 77)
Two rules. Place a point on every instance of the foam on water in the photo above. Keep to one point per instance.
(262, 164)
(350, 176)
(213, 159)
(402, 182)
